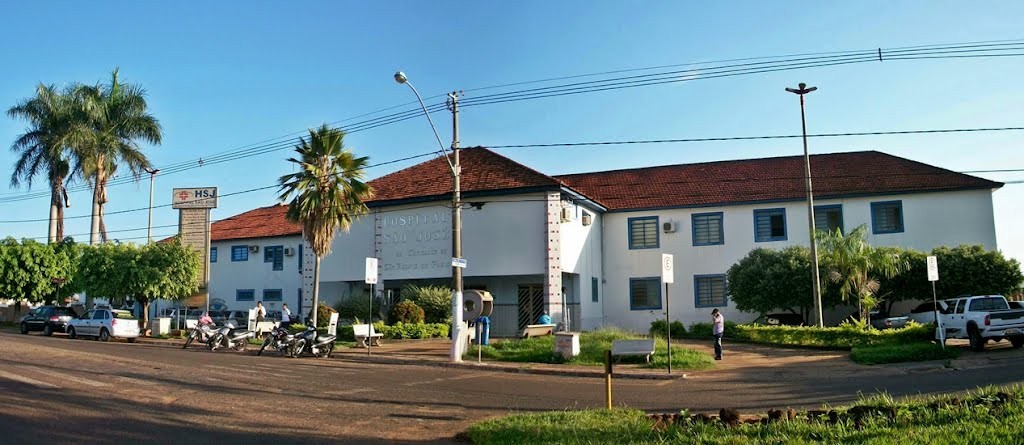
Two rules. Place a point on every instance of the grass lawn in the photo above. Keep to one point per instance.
(903, 352)
(592, 347)
(979, 418)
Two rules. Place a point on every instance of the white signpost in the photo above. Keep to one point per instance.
(371, 279)
(668, 276)
(933, 276)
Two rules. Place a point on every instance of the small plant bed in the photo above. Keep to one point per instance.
(592, 347)
(988, 416)
(902, 352)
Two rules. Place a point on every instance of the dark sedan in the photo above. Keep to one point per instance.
(48, 319)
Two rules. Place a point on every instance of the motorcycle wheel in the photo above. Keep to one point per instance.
(266, 343)
(242, 344)
(295, 349)
(325, 351)
(213, 343)
(188, 341)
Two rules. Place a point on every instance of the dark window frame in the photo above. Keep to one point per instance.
(697, 288)
(239, 292)
(880, 206)
(239, 253)
(824, 209)
(769, 213)
(634, 307)
(643, 220)
(721, 228)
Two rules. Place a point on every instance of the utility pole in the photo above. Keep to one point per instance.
(456, 351)
(149, 229)
(816, 285)
(453, 162)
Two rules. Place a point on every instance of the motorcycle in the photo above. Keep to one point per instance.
(230, 338)
(279, 338)
(202, 332)
(309, 341)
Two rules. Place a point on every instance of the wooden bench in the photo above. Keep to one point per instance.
(365, 335)
(633, 347)
(538, 330)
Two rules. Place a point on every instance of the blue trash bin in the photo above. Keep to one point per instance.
(483, 330)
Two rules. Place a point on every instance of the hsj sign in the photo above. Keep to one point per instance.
(195, 198)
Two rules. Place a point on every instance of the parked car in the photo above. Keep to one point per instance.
(1016, 304)
(924, 313)
(48, 319)
(881, 320)
(104, 324)
(983, 318)
(780, 319)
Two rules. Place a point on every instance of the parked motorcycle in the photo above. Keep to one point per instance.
(309, 341)
(279, 338)
(202, 332)
(229, 337)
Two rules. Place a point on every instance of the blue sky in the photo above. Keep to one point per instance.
(221, 75)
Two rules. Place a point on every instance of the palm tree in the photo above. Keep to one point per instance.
(854, 265)
(119, 118)
(327, 193)
(55, 125)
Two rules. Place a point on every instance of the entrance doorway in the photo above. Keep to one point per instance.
(531, 304)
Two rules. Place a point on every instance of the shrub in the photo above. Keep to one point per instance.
(323, 315)
(844, 336)
(436, 301)
(901, 352)
(405, 312)
(658, 329)
(295, 328)
(705, 329)
(401, 330)
(358, 307)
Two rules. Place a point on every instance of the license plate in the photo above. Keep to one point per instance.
(1013, 332)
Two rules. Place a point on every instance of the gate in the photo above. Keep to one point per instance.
(531, 304)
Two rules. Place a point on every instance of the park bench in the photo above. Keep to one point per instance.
(538, 330)
(633, 347)
(365, 335)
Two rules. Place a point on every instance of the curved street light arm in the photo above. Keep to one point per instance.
(431, 121)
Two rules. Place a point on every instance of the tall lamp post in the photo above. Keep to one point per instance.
(801, 90)
(152, 179)
(453, 162)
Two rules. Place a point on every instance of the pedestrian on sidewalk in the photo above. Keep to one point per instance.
(717, 329)
(286, 316)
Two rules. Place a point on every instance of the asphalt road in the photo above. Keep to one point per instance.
(56, 390)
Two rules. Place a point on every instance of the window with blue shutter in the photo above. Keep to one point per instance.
(239, 253)
(644, 293)
(643, 232)
(769, 225)
(709, 291)
(708, 229)
(828, 218)
(887, 217)
(245, 294)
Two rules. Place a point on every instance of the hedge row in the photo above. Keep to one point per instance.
(392, 332)
(840, 337)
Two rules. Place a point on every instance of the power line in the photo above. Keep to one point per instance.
(750, 138)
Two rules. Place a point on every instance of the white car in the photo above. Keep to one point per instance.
(104, 324)
(924, 313)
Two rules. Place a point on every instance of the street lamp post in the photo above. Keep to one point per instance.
(152, 179)
(453, 162)
(801, 90)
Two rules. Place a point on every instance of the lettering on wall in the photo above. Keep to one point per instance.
(416, 244)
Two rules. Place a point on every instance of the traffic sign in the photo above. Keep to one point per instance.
(371, 271)
(933, 268)
(667, 274)
(459, 262)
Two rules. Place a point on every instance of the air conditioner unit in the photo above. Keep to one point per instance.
(568, 213)
(289, 251)
(668, 226)
(588, 219)
(254, 249)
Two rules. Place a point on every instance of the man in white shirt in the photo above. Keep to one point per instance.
(286, 316)
(261, 312)
(717, 329)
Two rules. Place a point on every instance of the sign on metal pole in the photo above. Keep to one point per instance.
(667, 275)
(933, 268)
(371, 271)
(459, 262)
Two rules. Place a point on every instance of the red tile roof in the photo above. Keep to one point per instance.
(263, 222)
(767, 179)
(482, 170)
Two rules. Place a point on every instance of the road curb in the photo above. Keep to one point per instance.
(492, 367)
(489, 367)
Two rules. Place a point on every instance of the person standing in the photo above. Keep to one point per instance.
(261, 312)
(286, 316)
(717, 329)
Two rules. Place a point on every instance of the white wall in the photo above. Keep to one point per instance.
(505, 237)
(930, 220)
(581, 262)
(226, 276)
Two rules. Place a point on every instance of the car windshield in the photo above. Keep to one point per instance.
(989, 304)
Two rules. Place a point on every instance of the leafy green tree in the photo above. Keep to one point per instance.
(29, 270)
(963, 270)
(118, 272)
(119, 118)
(56, 124)
(767, 280)
(327, 192)
(855, 266)
(436, 301)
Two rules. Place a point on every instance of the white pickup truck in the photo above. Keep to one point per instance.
(983, 318)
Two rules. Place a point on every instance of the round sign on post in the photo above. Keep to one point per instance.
(666, 268)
